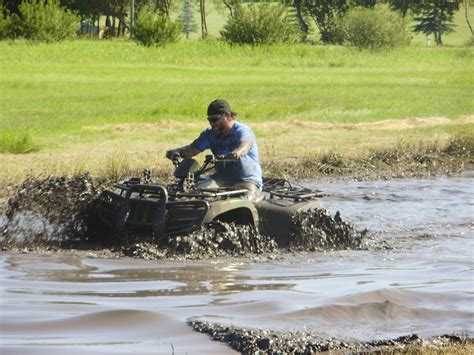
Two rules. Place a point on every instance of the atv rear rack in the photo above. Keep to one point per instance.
(282, 188)
(212, 193)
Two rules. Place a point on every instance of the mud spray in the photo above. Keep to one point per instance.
(60, 212)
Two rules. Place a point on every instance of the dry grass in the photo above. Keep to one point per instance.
(292, 148)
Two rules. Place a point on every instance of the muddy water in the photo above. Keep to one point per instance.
(71, 302)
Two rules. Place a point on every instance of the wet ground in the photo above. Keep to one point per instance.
(424, 283)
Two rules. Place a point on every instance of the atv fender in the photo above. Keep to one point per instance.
(240, 211)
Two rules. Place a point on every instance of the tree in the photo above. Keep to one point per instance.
(10, 7)
(326, 14)
(402, 6)
(435, 17)
(202, 11)
(300, 14)
(466, 9)
(187, 18)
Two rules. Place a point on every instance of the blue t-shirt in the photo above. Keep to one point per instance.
(247, 168)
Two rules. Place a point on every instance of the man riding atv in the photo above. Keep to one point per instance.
(233, 140)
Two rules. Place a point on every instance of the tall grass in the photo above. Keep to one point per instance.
(17, 143)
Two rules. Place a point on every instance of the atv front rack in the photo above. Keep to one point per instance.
(154, 207)
(137, 205)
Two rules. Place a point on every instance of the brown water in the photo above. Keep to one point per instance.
(71, 303)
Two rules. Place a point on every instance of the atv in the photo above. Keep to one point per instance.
(191, 201)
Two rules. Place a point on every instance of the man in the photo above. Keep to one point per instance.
(233, 140)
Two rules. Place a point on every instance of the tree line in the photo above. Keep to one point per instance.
(293, 20)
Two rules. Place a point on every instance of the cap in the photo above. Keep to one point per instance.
(219, 107)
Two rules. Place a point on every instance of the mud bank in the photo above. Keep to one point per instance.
(251, 341)
(402, 161)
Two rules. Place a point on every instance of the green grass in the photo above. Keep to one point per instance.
(21, 143)
(67, 87)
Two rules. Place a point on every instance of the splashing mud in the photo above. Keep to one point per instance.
(317, 230)
(60, 212)
(55, 210)
(252, 341)
(215, 239)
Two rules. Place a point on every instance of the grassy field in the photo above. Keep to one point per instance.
(107, 107)
(111, 107)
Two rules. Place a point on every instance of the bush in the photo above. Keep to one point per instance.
(46, 21)
(262, 24)
(375, 28)
(152, 29)
(9, 27)
(17, 143)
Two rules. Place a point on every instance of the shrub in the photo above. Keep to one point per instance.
(10, 27)
(46, 21)
(153, 29)
(17, 143)
(262, 24)
(375, 28)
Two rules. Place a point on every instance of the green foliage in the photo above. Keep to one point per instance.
(17, 143)
(327, 15)
(186, 18)
(375, 28)
(7, 26)
(152, 29)
(47, 21)
(435, 17)
(261, 24)
(402, 6)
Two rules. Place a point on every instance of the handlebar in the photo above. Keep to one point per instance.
(217, 159)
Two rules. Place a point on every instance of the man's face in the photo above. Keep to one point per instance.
(219, 123)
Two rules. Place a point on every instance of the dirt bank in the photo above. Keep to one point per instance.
(403, 161)
(250, 341)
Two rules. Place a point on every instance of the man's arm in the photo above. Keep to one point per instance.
(241, 150)
(187, 151)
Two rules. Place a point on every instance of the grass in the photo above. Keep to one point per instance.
(17, 143)
(112, 107)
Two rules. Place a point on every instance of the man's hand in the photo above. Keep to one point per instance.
(233, 155)
(173, 154)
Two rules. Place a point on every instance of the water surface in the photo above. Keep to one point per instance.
(70, 302)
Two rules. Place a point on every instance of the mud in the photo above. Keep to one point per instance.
(58, 212)
(53, 211)
(253, 341)
(216, 239)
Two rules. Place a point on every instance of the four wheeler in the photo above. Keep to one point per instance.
(192, 201)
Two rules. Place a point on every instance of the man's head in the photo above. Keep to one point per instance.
(220, 116)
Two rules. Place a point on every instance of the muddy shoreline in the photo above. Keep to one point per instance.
(253, 340)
